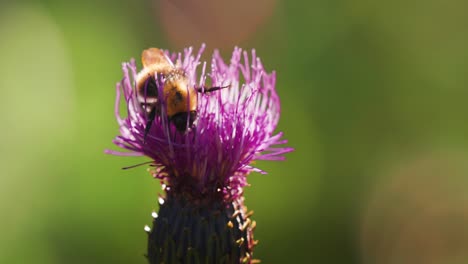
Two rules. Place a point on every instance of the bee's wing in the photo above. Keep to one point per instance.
(155, 58)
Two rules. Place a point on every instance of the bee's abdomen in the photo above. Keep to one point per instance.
(180, 99)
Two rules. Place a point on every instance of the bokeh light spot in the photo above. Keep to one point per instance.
(220, 24)
(418, 214)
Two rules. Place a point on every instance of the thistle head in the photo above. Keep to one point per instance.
(230, 128)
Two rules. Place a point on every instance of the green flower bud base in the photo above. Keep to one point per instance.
(201, 231)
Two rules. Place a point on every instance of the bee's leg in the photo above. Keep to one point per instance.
(169, 122)
(151, 116)
(174, 136)
(195, 128)
(204, 89)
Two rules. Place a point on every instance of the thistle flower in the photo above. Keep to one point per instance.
(203, 170)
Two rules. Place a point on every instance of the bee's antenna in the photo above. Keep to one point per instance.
(136, 165)
(204, 89)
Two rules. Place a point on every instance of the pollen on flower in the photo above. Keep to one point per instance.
(232, 127)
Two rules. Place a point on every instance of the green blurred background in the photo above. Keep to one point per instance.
(373, 100)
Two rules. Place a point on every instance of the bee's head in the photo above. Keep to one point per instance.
(180, 120)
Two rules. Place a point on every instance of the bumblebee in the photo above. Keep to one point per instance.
(180, 97)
